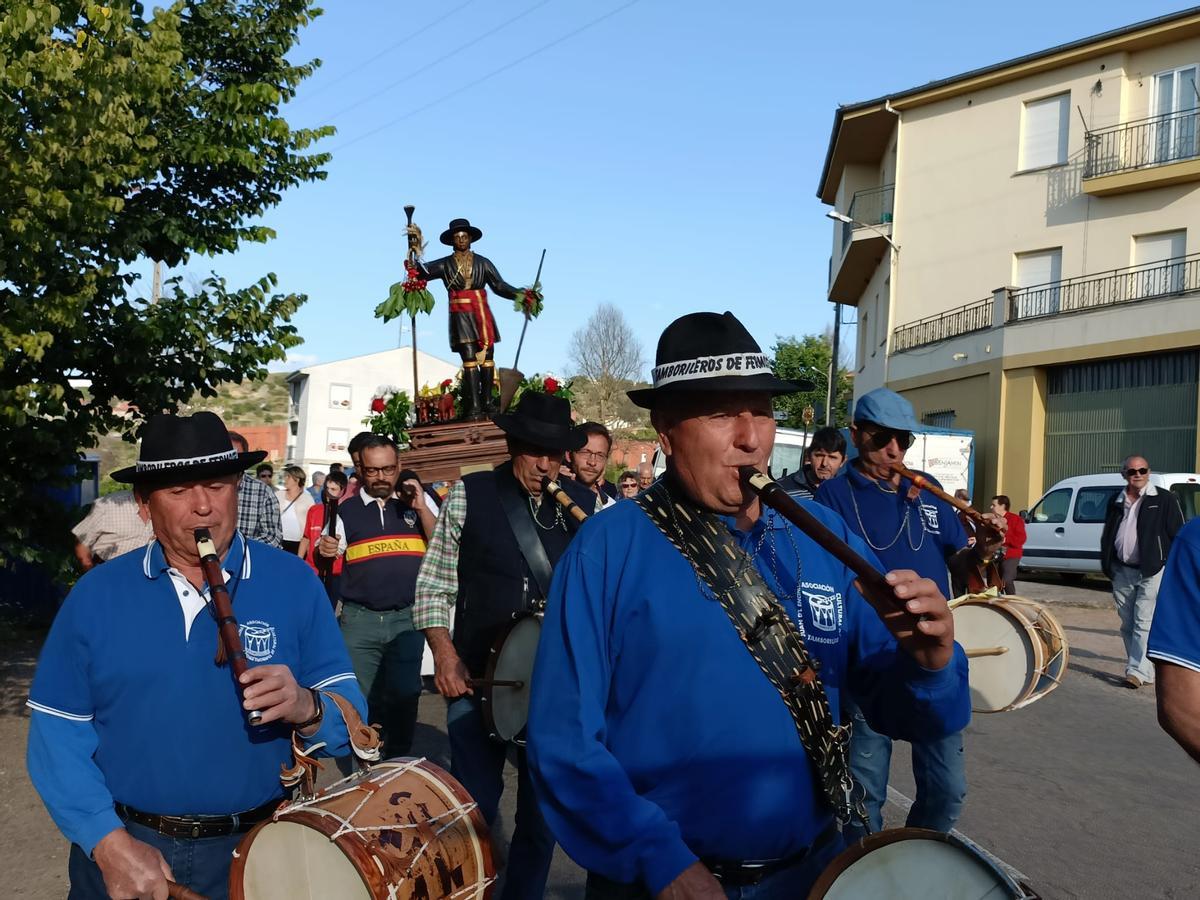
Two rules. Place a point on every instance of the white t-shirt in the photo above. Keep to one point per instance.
(292, 514)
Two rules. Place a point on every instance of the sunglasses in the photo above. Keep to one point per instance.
(1129, 473)
(878, 438)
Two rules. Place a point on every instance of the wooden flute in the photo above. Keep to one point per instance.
(961, 505)
(871, 581)
(554, 489)
(227, 626)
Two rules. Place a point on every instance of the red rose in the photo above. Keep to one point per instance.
(550, 385)
(378, 405)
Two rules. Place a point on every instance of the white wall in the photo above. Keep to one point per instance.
(337, 396)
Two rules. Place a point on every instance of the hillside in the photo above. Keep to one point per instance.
(248, 403)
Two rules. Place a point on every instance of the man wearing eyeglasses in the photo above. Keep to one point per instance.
(907, 529)
(385, 534)
(1139, 527)
(589, 462)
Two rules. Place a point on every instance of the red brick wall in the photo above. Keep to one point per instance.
(628, 454)
(272, 438)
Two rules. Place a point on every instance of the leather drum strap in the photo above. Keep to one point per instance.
(516, 507)
(767, 631)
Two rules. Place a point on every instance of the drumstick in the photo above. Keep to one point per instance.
(554, 489)
(179, 892)
(492, 682)
(986, 651)
(871, 582)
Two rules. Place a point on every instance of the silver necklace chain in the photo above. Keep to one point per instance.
(558, 517)
(904, 526)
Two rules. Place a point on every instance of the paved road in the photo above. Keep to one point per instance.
(1081, 792)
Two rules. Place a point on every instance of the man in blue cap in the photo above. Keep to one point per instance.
(907, 530)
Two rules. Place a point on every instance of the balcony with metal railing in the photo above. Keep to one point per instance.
(1171, 278)
(872, 206)
(1151, 152)
(977, 316)
(865, 240)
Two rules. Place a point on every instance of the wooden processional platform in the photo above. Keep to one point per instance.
(447, 451)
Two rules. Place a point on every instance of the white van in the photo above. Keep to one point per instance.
(1064, 527)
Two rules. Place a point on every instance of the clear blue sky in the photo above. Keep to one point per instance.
(666, 157)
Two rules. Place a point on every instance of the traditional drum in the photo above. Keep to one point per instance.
(915, 864)
(504, 691)
(1018, 652)
(402, 830)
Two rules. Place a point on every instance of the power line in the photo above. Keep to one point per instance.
(441, 59)
(384, 52)
(483, 78)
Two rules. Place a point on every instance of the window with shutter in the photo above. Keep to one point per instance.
(1044, 129)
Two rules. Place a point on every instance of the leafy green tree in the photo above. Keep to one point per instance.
(126, 136)
(807, 359)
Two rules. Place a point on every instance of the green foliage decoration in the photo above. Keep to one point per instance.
(391, 414)
(127, 135)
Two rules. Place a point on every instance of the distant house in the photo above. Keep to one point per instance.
(330, 400)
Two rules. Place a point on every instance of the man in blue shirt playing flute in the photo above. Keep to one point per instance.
(671, 757)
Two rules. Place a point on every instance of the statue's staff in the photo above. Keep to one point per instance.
(537, 280)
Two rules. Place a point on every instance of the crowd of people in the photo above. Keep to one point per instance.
(649, 708)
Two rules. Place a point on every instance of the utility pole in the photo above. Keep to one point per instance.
(830, 388)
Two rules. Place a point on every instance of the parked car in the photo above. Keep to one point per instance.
(1063, 528)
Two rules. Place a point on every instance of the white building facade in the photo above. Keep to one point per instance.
(330, 400)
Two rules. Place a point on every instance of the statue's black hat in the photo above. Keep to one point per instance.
(176, 449)
(709, 351)
(460, 225)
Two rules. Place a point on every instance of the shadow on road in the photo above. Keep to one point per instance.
(1077, 652)
(1105, 631)
(18, 657)
(1107, 677)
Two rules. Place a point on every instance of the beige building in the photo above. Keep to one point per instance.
(1023, 252)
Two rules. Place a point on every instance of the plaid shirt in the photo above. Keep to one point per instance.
(437, 582)
(113, 526)
(258, 512)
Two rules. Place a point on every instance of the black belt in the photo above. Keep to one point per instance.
(750, 872)
(199, 826)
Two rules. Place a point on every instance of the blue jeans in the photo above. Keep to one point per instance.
(478, 762)
(937, 770)
(787, 884)
(386, 652)
(201, 864)
(1136, 598)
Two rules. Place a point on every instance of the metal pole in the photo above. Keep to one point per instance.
(830, 389)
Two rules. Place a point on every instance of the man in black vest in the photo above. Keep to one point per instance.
(490, 558)
(385, 541)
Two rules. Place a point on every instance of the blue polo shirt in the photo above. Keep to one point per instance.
(923, 542)
(128, 705)
(1175, 632)
(655, 738)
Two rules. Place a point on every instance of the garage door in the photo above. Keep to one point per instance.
(1099, 412)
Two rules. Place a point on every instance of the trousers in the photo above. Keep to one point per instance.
(938, 770)
(478, 762)
(201, 864)
(385, 651)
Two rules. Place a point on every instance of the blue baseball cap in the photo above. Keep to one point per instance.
(886, 408)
